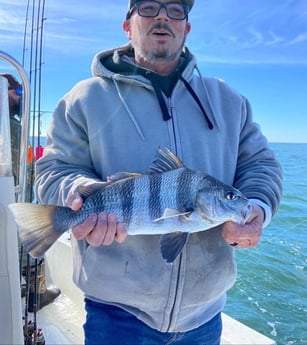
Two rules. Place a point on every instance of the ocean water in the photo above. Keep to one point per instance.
(270, 294)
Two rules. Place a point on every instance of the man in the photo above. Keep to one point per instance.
(143, 96)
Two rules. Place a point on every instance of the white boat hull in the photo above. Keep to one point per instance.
(10, 299)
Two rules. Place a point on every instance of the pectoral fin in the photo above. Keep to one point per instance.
(172, 244)
(170, 213)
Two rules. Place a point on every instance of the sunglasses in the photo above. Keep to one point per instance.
(150, 9)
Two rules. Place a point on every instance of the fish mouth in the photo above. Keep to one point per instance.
(241, 217)
(246, 212)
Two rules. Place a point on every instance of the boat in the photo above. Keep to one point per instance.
(61, 321)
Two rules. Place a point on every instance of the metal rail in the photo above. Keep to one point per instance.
(25, 120)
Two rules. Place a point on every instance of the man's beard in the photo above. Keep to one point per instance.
(155, 56)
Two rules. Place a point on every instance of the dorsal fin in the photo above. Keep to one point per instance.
(86, 191)
(166, 161)
(119, 176)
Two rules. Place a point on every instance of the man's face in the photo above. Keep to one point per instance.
(156, 38)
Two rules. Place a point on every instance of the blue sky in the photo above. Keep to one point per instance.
(257, 46)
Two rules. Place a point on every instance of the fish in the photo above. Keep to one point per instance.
(169, 200)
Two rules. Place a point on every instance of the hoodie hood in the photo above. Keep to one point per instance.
(118, 63)
(121, 61)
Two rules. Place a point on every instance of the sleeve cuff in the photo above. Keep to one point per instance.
(267, 211)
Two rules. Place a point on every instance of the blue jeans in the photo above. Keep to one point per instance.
(109, 325)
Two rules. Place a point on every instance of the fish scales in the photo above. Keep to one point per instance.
(184, 190)
(64, 217)
(138, 209)
(120, 199)
(126, 193)
(152, 194)
(144, 199)
(155, 186)
(173, 189)
(112, 199)
(168, 191)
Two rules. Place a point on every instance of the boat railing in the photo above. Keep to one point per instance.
(20, 187)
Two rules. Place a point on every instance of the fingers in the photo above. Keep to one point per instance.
(102, 229)
(97, 230)
(74, 201)
(121, 233)
(239, 236)
(245, 236)
(107, 229)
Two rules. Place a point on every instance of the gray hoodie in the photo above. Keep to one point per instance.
(114, 122)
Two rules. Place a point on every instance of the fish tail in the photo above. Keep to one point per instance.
(35, 227)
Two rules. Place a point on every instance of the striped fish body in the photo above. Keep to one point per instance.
(158, 203)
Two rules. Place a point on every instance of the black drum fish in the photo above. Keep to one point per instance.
(171, 200)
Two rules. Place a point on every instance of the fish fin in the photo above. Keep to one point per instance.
(171, 245)
(35, 227)
(119, 176)
(86, 191)
(166, 161)
(170, 213)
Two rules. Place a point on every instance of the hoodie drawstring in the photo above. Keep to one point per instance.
(161, 100)
(134, 121)
(197, 100)
(163, 106)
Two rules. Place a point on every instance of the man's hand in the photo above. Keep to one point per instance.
(97, 229)
(247, 235)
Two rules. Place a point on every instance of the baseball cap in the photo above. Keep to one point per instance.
(188, 3)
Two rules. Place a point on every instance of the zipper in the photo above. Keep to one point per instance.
(176, 294)
(170, 108)
(179, 265)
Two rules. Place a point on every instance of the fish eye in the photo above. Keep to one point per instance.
(231, 196)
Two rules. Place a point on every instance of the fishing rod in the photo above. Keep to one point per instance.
(32, 335)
